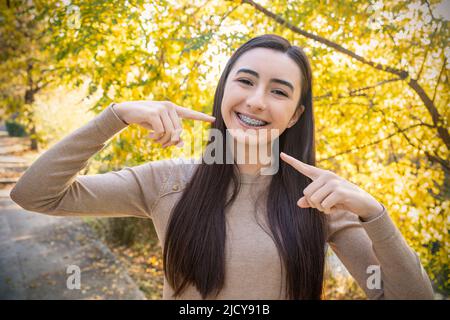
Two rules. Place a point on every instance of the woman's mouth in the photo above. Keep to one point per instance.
(249, 122)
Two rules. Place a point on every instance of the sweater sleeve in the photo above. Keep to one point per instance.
(366, 248)
(51, 185)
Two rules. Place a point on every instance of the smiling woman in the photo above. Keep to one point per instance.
(294, 233)
(262, 96)
(226, 231)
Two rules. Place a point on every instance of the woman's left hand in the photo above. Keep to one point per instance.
(330, 193)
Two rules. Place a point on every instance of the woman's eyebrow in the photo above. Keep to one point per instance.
(254, 73)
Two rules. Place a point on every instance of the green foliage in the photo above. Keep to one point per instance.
(126, 231)
(15, 129)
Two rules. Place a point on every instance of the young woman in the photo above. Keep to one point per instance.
(228, 231)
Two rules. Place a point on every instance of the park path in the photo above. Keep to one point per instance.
(36, 249)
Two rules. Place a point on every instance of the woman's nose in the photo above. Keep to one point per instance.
(257, 100)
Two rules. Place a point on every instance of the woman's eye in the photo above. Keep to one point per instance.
(281, 92)
(244, 81)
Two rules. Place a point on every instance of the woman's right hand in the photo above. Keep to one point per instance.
(163, 117)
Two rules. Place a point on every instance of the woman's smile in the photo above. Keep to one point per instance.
(249, 122)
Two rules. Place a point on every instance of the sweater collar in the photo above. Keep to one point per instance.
(247, 178)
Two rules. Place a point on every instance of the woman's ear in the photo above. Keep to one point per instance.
(296, 115)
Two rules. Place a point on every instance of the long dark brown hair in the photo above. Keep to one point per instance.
(194, 246)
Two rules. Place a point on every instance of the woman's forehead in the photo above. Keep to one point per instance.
(269, 64)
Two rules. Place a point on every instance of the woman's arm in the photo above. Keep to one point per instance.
(364, 237)
(377, 245)
(51, 184)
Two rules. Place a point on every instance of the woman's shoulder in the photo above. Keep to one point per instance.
(175, 169)
(164, 176)
(178, 165)
(183, 168)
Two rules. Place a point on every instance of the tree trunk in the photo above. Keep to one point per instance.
(34, 143)
(29, 99)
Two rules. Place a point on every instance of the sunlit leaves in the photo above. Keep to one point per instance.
(371, 127)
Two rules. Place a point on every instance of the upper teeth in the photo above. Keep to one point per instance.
(251, 121)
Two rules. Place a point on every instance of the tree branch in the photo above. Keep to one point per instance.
(436, 158)
(401, 73)
(429, 9)
(354, 92)
(438, 121)
(433, 158)
(427, 51)
(371, 143)
(439, 78)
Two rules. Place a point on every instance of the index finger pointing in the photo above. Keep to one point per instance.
(194, 115)
(308, 170)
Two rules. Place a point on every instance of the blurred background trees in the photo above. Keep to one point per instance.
(381, 87)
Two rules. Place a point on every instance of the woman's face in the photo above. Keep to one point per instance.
(261, 93)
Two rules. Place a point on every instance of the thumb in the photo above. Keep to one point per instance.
(303, 203)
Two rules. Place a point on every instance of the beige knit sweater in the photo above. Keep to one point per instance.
(253, 271)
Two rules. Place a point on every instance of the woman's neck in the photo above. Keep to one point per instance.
(250, 159)
(251, 169)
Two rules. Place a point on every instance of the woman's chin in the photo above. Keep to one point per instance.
(250, 137)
